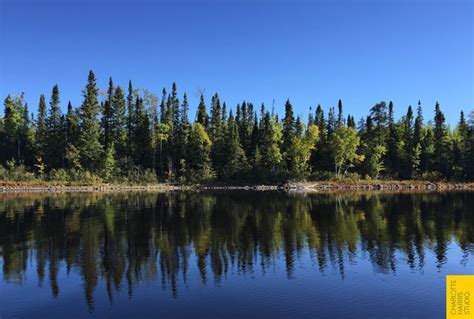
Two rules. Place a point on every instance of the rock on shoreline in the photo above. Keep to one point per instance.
(291, 187)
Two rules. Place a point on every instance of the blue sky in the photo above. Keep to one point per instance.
(311, 52)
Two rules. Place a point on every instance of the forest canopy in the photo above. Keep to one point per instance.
(131, 135)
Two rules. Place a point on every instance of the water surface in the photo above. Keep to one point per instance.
(232, 254)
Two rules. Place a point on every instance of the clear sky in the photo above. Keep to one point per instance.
(311, 52)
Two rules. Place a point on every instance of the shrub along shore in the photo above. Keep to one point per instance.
(28, 187)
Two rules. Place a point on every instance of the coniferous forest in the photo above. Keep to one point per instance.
(126, 135)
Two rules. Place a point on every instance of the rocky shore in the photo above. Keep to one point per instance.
(7, 188)
(353, 186)
(289, 186)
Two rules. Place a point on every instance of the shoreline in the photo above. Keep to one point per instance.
(322, 186)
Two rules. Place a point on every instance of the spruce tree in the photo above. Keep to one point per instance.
(118, 123)
(392, 156)
(235, 160)
(310, 116)
(331, 123)
(201, 116)
(55, 133)
(440, 147)
(41, 129)
(89, 146)
(288, 127)
(340, 116)
(130, 119)
(107, 116)
(410, 153)
(270, 156)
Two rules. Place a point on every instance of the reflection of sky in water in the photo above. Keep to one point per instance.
(363, 292)
(358, 284)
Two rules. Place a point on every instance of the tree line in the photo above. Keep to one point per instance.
(129, 135)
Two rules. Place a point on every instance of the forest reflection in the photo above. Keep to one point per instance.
(124, 239)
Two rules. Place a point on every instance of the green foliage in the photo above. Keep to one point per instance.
(344, 145)
(109, 165)
(137, 138)
(59, 175)
(16, 172)
(300, 152)
(200, 151)
(89, 146)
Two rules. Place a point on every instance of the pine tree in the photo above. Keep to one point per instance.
(72, 137)
(130, 119)
(427, 161)
(321, 156)
(13, 122)
(340, 116)
(201, 116)
(392, 159)
(440, 147)
(163, 118)
(118, 123)
(410, 150)
(462, 131)
(55, 134)
(89, 146)
(269, 155)
(236, 163)
(183, 133)
(41, 129)
(310, 116)
(331, 124)
(217, 136)
(288, 127)
(107, 116)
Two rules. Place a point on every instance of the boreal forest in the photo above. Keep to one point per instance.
(127, 135)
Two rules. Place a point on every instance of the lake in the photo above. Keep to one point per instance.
(232, 254)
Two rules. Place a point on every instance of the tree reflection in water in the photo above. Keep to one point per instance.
(123, 239)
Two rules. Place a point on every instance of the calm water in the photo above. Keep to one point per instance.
(234, 254)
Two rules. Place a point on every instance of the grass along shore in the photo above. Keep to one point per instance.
(364, 185)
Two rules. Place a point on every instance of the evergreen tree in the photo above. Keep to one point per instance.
(13, 123)
(89, 146)
(55, 133)
(118, 123)
(340, 116)
(289, 132)
(201, 116)
(132, 137)
(41, 129)
(462, 133)
(331, 124)
(130, 119)
(236, 163)
(183, 134)
(321, 156)
(268, 157)
(72, 137)
(440, 147)
(392, 157)
(310, 116)
(411, 150)
(427, 161)
(216, 134)
(107, 115)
